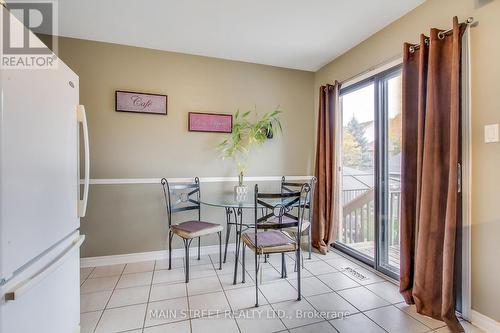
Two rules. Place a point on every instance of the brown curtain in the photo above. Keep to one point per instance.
(430, 157)
(325, 198)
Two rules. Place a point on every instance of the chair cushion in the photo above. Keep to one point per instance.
(193, 229)
(271, 241)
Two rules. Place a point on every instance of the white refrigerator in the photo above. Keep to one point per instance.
(41, 200)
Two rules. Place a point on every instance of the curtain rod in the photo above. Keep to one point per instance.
(469, 21)
(441, 35)
(373, 68)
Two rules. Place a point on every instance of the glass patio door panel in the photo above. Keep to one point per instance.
(370, 156)
(357, 225)
(390, 229)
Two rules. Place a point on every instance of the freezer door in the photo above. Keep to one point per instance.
(38, 162)
(47, 298)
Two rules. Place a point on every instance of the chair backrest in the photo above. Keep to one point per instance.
(280, 205)
(308, 200)
(181, 197)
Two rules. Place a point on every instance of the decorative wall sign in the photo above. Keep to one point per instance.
(210, 122)
(128, 101)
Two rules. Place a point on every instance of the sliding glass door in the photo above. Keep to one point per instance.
(370, 155)
(357, 228)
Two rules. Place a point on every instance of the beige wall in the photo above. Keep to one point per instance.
(130, 218)
(485, 110)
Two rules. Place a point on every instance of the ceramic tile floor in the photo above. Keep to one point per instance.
(144, 297)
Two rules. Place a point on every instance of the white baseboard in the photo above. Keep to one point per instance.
(483, 322)
(147, 256)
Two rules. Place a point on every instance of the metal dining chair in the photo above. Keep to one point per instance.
(308, 204)
(184, 197)
(269, 238)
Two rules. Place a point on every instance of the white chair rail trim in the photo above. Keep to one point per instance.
(125, 181)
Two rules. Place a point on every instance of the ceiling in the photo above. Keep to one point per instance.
(296, 34)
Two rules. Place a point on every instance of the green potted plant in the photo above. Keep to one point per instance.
(245, 134)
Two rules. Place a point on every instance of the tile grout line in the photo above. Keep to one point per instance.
(302, 296)
(391, 304)
(111, 295)
(316, 323)
(373, 321)
(305, 298)
(432, 329)
(225, 295)
(361, 312)
(88, 276)
(263, 295)
(149, 297)
(173, 298)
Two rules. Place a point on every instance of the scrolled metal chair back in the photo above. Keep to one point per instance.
(288, 203)
(308, 200)
(181, 197)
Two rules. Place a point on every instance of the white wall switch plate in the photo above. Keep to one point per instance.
(491, 133)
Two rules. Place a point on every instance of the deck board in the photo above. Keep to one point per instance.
(368, 249)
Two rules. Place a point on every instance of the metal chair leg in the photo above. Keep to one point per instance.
(186, 248)
(297, 257)
(256, 280)
(170, 235)
(220, 250)
(309, 241)
(199, 247)
(284, 274)
(236, 259)
(243, 263)
(228, 233)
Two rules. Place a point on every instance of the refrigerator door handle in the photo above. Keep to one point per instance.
(82, 118)
(29, 283)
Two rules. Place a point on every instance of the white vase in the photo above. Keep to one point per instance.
(240, 191)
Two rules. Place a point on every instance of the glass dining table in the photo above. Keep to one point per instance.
(234, 207)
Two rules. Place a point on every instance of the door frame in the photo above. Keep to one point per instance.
(466, 177)
(380, 167)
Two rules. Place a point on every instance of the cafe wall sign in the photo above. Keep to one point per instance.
(128, 101)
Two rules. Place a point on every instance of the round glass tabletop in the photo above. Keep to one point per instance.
(230, 200)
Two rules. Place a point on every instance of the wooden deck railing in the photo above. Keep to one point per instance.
(359, 216)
